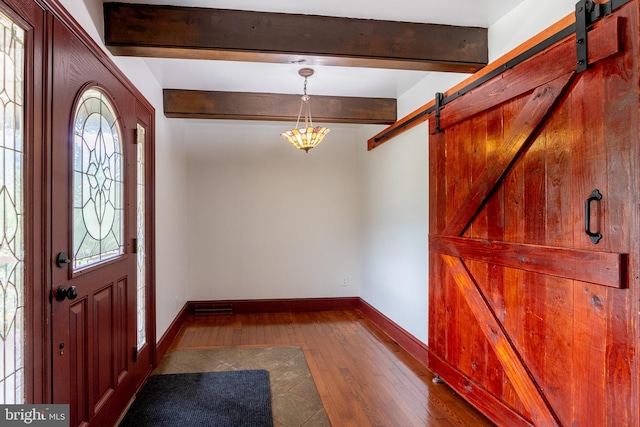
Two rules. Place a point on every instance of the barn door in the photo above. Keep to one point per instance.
(93, 197)
(533, 227)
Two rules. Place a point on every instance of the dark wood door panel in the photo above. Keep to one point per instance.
(78, 349)
(121, 329)
(98, 348)
(103, 334)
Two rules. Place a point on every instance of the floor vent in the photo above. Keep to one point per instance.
(206, 309)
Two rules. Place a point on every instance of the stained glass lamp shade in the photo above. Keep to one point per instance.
(307, 137)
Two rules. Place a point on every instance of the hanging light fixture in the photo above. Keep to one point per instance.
(307, 137)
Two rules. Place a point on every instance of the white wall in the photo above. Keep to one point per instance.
(524, 22)
(395, 216)
(395, 185)
(171, 261)
(267, 220)
(395, 182)
(172, 273)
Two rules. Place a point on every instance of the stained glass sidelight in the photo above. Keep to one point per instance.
(140, 239)
(97, 181)
(12, 214)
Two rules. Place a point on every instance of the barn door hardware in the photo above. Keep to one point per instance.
(582, 14)
(439, 99)
(588, 12)
(595, 237)
(588, 16)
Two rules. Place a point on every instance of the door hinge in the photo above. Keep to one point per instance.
(135, 354)
(135, 245)
(135, 136)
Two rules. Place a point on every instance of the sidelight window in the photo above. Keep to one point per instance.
(12, 212)
(140, 238)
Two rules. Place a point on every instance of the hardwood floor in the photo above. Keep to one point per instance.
(363, 377)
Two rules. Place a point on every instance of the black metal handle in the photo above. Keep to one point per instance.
(70, 293)
(62, 260)
(595, 237)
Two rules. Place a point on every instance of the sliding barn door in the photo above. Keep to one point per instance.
(534, 237)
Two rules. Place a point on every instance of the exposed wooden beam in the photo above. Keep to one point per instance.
(276, 107)
(190, 32)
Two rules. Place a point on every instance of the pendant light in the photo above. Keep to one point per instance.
(307, 137)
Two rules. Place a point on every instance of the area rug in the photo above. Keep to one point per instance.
(220, 399)
(294, 396)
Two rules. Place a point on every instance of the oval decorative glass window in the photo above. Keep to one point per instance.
(97, 181)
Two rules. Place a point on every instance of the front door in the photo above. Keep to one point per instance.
(93, 198)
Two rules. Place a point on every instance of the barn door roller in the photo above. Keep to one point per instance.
(581, 34)
(587, 12)
(439, 101)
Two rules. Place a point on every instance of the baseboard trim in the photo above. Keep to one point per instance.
(170, 334)
(280, 305)
(408, 342)
(478, 397)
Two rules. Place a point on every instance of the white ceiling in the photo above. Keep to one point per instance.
(327, 80)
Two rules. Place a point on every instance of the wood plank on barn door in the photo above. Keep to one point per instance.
(622, 174)
(602, 268)
(513, 316)
(526, 124)
(525, 385)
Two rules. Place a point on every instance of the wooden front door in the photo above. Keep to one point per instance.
(93, 198)
(534, 282)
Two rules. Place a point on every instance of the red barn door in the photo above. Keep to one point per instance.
(531, 319)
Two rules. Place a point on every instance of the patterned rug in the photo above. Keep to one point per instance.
(294, 398)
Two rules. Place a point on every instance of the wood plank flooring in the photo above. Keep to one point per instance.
(363, 377)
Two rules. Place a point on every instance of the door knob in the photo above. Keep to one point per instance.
(71, 293)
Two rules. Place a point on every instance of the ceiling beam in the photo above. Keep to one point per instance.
(197, 104)
(223, 34)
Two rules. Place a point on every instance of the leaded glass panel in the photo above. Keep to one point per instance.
(12, 214)
(141, 249)
(97, 182)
